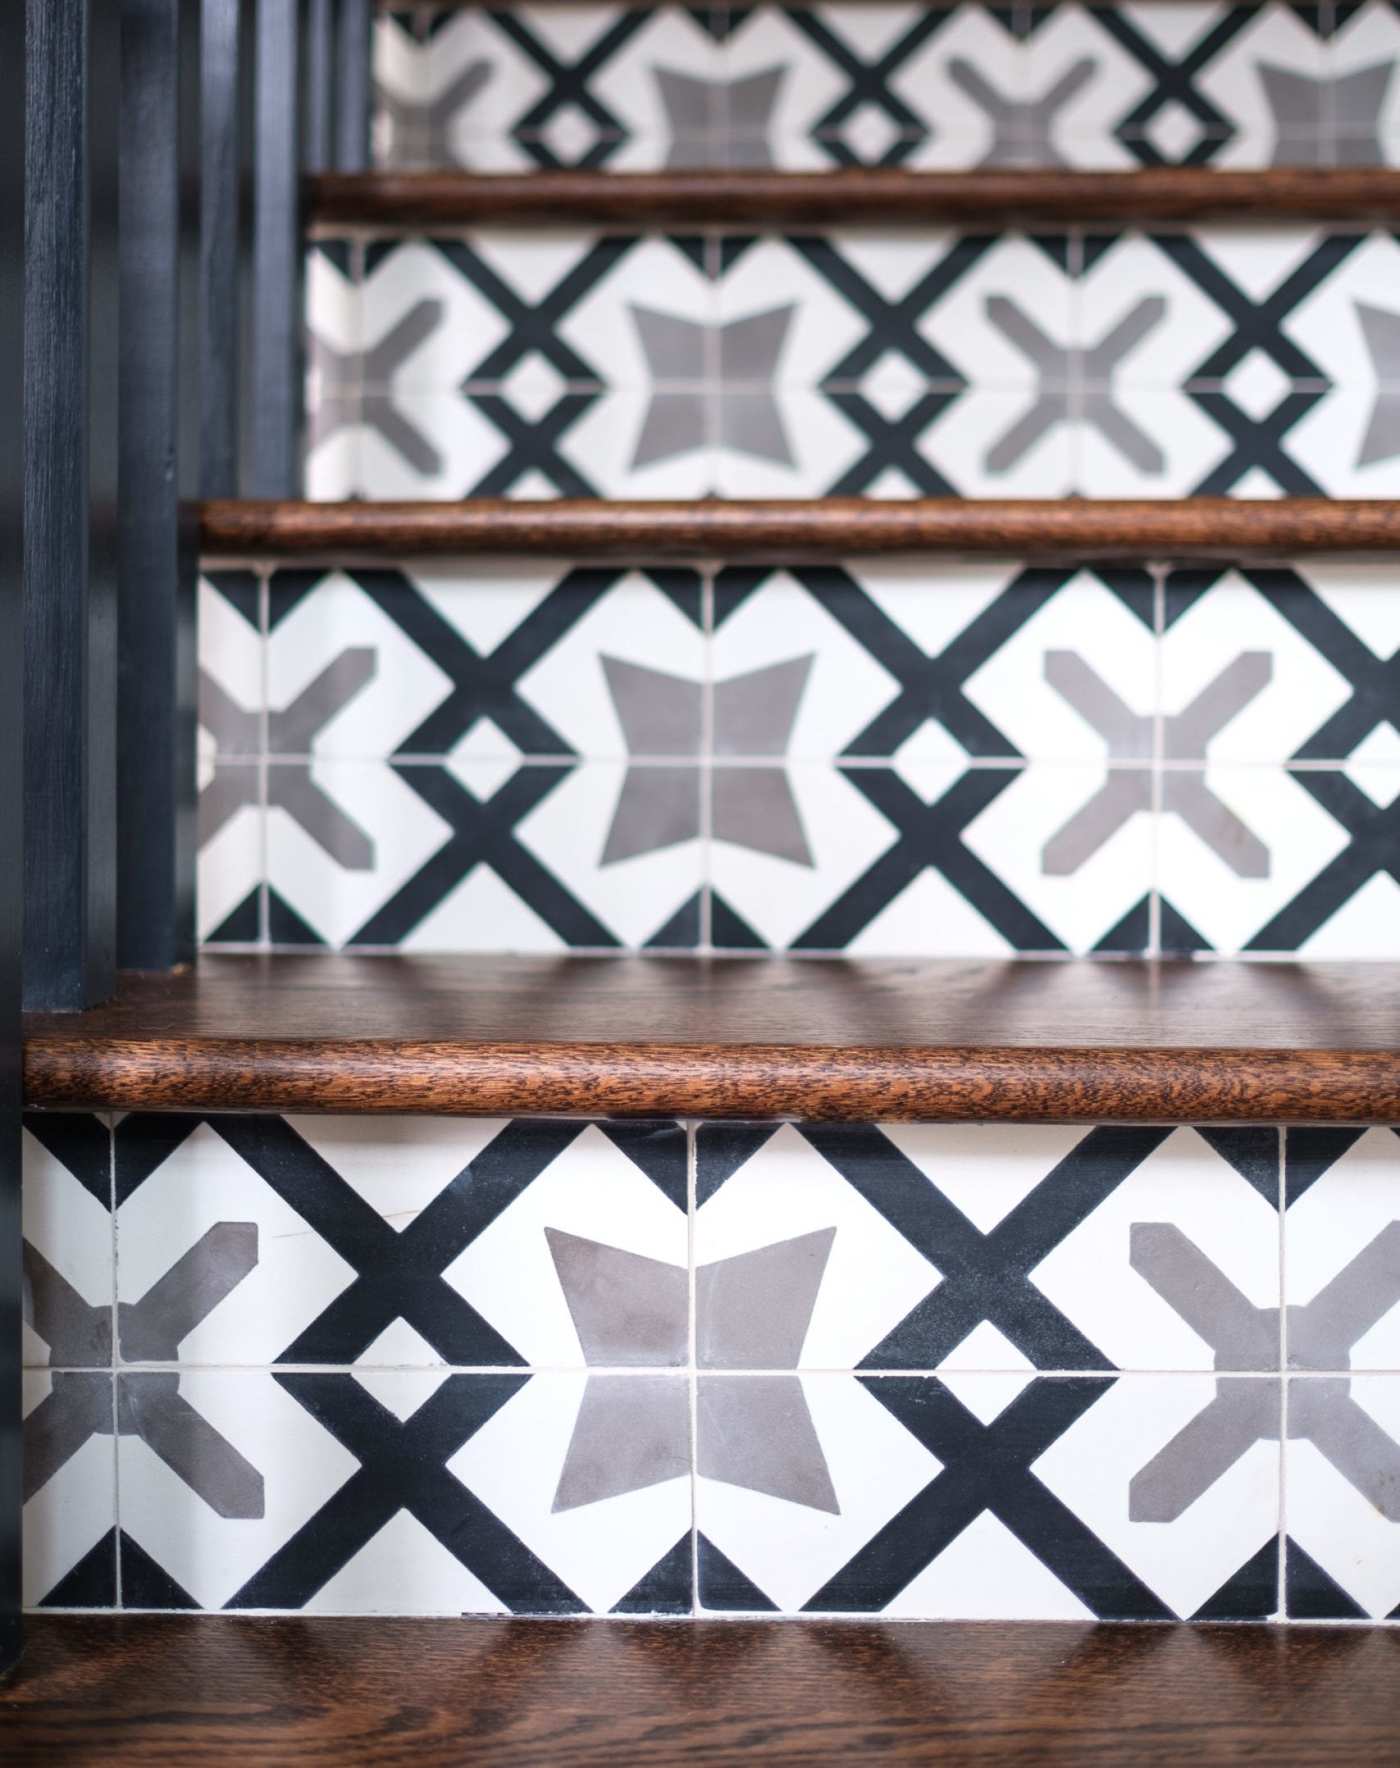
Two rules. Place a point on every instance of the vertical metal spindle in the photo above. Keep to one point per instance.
(272, 457)
(12, 90)
(354, 87)
(224, 71)
(159, 479)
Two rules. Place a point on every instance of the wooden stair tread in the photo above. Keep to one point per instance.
(985, 198)
(144, 1688)
(833, 1039)
(789, 529)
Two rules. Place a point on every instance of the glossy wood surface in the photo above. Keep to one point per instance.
(787, 531)
(740, 1037)
(986, 198)
(180, 1690)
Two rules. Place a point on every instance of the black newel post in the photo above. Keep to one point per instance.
(73, 63)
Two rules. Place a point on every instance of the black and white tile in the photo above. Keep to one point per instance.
(1030, 83)
(1228, 360)
(436, 1366)
(876, 757)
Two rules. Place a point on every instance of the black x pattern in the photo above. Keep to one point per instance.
(403, 1467)
(868, 82)
(397, 1275)
(1257, 325)
(533, 326)
(533, 445)
(987, 1467)
(1373, 846)
(569, 86)
(928, 837)
(1174, 82)
(483, 834)
(486, 686)
(1374, 681)
(985, 1277)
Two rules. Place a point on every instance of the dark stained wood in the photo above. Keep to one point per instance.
(738, 1037)
(524, 1694)
(789, 530)
(986, 198)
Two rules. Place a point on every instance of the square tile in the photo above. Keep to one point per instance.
(1264, 859)
(407, 1243)
(1342, 1463)
(989, 1248)
(484, 660)
(69, 1543)
(407, 1492)
(1342, 1250)
(981, 1496)
(68, 1243)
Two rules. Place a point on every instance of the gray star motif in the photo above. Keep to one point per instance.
(751, 805)
(713, 385)
(719, 122)
(1381, 331)
(1309, 113)
(751, 1313)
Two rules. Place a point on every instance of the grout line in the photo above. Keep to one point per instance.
(644, 1371)
(692, 1190)
(1283, 1375)
(116, 1414)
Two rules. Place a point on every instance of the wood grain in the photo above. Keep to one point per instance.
(181, 1690)
(789, 531)
(792, 1038)
(986, 198)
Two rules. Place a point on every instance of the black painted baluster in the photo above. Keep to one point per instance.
(354, 92)
(318, 99)
(224, 77)
(11, 800)
(272, 466)
(71, 302)
(159, 479)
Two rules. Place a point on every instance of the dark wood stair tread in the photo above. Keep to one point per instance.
(832, 1039)
(985, 198)
(185, 1688)
(788, 530)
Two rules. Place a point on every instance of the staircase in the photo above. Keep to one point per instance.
(799, 871)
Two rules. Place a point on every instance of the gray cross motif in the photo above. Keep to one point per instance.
(1309, 114)
(1321, 1410)
(1129, 736)
(290, 786)
(751, 1312)
(147, 1405)
(1381, 331)
(420, 131)
(1075, 383)
(355, 387)
(750, 806)
(719, 122)
(1023, 129)
(694, 366)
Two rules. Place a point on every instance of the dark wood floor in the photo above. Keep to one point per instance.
(175, 1690)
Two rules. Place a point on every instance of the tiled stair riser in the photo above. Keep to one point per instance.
(1249, 361)
(872, 758)
(440, 1366)
(946, 86)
